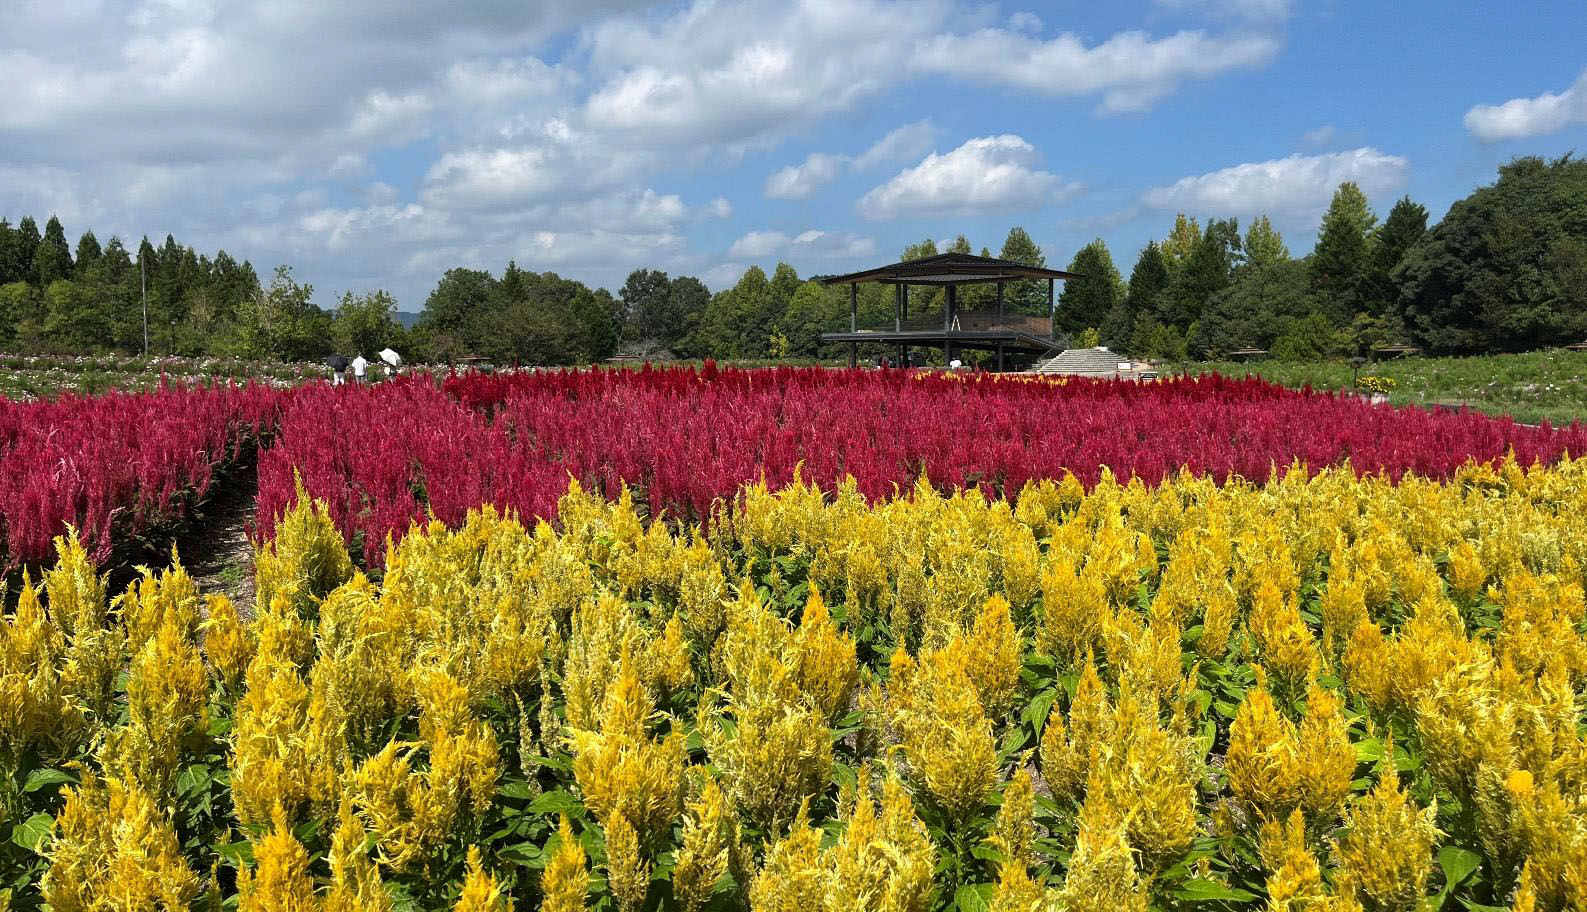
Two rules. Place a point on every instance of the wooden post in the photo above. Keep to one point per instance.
(854, 311)
(1000, 303)
(905, 347)
(950, 313)
(1000, 356)
(1052, 310)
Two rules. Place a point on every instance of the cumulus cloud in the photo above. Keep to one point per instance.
(987, 174)
(503, 129)
(1320, 136)
(812, 243)
(1522, 118)
(1297, 187)
(801, 181)
(1131, 70)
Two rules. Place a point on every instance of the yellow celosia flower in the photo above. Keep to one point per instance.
(1327, 758)
(1102, 875)
(111, 841)
(943, 729)
(1387, 847)
(1015, 827)
(1294, 879)
(566, 881)
(481, 892)
(279, 880)
(228, 642)
(1263, 763)
(305, 560)
(627, 873)
(621, 769)
(710, 835)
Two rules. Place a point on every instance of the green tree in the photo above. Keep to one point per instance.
(1405, 225)
(961, 244)
(1090, 299)
(1255, 311)
(365, 323)
(1506, 270)
(814, 309)
(1208, 270)
(281, 322)
(53, 259)
(689, 297)
(926, 248)
(1181, 241)
(1263, 245)
(459, 299)
(1148, 281)
(76, 316)
(88, 252)
(1344, 248)
(647, 307)
(16, 305)
(1028, 296)
(27, 242)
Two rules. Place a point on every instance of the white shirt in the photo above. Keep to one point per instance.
(359, 366)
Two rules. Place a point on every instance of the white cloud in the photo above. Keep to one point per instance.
(1256, 10)
(811, 244)
(903, 143)
(987, 174)
(1294, 188)
(1522, 118)
(718, 208)
(1131, 70)
(801, 181)
(1321, 136)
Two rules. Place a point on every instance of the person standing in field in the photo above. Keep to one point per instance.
(360, 368)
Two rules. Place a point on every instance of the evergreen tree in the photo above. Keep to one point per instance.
(1148, 281)
(1027, 296)
(1406, 224)
(1263, 245)
(1208, 270)
(687, 297)
(27, 241)
(1340, 260)
(926, 248)
(88, 252)
(814, 309)
(1087, 301)
(10, 255)
(53, 260)
(961, 244)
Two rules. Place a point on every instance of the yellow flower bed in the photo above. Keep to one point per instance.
(1325, 693)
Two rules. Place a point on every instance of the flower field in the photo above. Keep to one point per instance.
(789, 640)
(116, 465)
(687, 440)
(1319, 692)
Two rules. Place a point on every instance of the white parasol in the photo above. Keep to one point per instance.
(390, 357)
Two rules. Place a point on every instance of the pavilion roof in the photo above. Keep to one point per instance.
(949, 269)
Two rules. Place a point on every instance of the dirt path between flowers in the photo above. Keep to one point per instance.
(215, 548)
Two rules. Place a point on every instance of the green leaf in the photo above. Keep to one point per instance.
(41, 778)
(556, 801)
(974, 897)
(31, 832)
(516, 788)
(240, 852)
(1458, 864)
(1040, 706)
(1200, 889)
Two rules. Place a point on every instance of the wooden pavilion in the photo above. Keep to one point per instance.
(989, 329)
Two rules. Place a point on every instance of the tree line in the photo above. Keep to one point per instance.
(1505, 270)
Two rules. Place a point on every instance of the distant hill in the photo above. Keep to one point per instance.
(407, 319)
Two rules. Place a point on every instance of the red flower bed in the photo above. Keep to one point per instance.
(116, 464)
(383, 456)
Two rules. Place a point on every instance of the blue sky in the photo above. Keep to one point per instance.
(375, 144)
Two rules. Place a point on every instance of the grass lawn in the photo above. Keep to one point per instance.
(1547, 385)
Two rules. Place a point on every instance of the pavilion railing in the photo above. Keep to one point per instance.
(972, 321)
